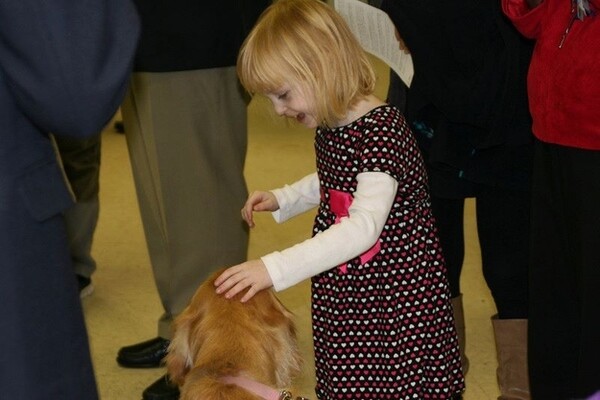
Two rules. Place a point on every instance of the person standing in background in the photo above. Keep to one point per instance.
(381, 314)
(467, 105)
(564, 97)
(80, 159)
(185, 124)
(64, 66)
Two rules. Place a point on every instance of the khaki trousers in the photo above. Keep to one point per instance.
(186, 134)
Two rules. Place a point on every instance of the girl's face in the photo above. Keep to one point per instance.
(292, 102)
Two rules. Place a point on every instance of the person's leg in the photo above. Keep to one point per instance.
(503, 228)
(552, 319)
(564, 304)
(503, 218)
(81, 221)
(138, 117)
(188, 158)
(81, 163)
(449, 219)
(186, 134)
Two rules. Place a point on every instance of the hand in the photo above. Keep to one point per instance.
(252, 275)
(401, 43)
(258, 201)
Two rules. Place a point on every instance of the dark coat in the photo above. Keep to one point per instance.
(64, 66)
(179, 35)
(470, 67)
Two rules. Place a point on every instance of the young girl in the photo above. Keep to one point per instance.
(382, 320)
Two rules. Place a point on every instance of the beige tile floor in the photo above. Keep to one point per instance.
(124, 307)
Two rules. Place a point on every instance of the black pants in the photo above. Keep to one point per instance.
(564, 323)
(503, 229)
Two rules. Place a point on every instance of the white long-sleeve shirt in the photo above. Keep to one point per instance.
(352, 236)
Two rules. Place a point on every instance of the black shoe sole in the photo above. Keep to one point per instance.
(126, 364)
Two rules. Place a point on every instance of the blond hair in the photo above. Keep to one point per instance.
(306, 42)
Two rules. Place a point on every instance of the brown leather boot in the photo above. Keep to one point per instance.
(459, 321)
(511, 348)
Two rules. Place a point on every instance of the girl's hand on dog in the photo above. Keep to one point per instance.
(258, 201)
(251, 275)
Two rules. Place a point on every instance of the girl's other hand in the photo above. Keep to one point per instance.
(258, 201)
(401, 43)
(251, 275)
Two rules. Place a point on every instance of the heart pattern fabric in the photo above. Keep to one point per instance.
(383, 329)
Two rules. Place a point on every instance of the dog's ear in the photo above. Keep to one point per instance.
(271, 310)
(178, 356)
(278, 321)
(186, 342)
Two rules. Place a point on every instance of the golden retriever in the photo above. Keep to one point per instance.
(217, 340)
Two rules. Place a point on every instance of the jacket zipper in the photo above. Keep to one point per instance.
(571, 21)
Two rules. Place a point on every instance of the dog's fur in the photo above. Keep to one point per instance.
(216, 337)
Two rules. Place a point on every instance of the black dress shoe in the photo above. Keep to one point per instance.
(148, 354)
(162, 389)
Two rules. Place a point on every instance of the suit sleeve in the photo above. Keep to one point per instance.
(67, 62)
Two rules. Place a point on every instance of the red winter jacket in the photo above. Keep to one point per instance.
(563, 82)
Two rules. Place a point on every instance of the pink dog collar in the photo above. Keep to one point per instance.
(259, 389)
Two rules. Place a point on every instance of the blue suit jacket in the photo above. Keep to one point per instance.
(64, 66)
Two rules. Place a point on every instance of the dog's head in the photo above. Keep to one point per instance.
(217, 337)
